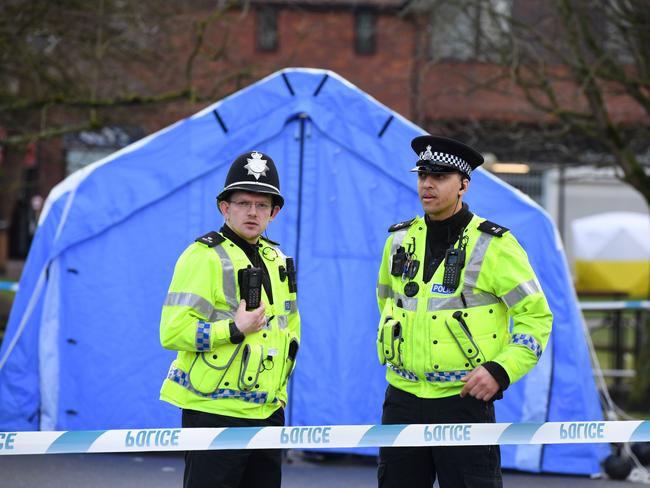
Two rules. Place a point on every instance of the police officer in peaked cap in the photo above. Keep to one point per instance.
(234, 356)
(439, 154)
(448, 285)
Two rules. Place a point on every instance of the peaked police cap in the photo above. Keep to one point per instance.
(439, 154)
(254, 172)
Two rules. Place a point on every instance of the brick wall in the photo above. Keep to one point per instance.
(319, 38)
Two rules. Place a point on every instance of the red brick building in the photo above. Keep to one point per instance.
(401, 52)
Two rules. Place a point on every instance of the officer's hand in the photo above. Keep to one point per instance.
(480, 384)
(249, 322)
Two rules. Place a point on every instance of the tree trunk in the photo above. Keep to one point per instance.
(11, 169)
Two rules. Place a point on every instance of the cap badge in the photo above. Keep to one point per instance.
(426, 155)
(256, 165)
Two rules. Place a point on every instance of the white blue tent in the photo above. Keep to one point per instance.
(81, 350)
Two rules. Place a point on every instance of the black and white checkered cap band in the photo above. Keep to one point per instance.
(444, 158)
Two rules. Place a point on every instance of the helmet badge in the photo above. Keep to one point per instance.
(426, 155)
(256, 165)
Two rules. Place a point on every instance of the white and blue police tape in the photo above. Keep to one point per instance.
(615, 305)
(323, 436)
(8, 286)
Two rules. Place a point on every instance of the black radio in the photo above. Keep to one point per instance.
(454, 262)
(250, 287)
(399, 260)
(291, 275)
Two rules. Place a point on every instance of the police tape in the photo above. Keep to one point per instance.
(8, 286)
(322, 436)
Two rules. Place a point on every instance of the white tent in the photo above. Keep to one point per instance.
(612, 252)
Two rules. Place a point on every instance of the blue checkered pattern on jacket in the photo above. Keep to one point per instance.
(408, 375)
(529, 342)
(247, 396)
(178, 376)
(203, 335)
(445, 376)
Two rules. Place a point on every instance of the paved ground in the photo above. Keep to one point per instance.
(166, 471)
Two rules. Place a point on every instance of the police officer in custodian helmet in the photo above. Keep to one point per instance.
(231, 314)
(449, 284)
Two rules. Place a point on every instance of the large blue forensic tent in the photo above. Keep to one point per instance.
(82, 349)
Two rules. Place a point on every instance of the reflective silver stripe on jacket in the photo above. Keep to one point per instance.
(445, 376)
(472, 271)
(407, 303)
(472, 299)
(283, 321)
(197, 303)
(521, 291)
(278, 250)
(179, 376)
(291, 306)
(528, 341)
(384, 291)
(398, 238)
(228, 277)
(473, 268)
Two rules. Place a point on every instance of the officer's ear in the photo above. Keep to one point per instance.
(464, 184)
(275, 211)
(222, 206)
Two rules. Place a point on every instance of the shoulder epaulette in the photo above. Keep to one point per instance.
(492, 228)
(211, 239)
(270, 241)
(401, 225)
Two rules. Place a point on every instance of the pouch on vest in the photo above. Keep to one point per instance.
(251, 366)
(205, 376)
(463, 337)
(389, 343)
(291, 358)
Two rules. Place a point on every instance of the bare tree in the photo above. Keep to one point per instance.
(85, 57)
(71, 65)
(582, 65)
(586, 64)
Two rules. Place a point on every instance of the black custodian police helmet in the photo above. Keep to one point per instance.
(445, 155)
(253, 172)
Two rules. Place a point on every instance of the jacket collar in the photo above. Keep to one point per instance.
(251, 250)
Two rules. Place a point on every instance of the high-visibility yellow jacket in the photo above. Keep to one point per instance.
(425, 347)
(210, 373)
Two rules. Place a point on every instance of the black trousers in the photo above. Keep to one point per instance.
(232, 467)
(455, 467)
